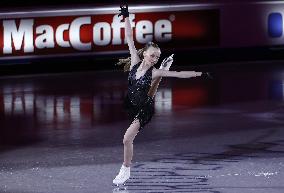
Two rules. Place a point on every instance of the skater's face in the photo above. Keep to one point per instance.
(152, 55)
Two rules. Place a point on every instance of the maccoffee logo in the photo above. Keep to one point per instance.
(27, 36)
(59, 34)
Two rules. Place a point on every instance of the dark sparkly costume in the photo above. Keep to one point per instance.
(137, 101)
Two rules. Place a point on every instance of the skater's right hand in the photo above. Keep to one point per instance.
(124, 10)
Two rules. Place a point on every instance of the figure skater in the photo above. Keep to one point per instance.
(143, 80)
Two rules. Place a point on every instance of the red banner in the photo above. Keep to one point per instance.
(104, 33)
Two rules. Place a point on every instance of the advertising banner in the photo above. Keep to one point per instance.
(100, 31)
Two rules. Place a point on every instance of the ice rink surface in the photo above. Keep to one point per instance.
(63, 133)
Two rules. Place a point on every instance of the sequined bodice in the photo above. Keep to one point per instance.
(138, 89)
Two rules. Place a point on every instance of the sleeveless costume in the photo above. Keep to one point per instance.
(138, 104)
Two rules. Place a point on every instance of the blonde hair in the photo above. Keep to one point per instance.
(127, 61)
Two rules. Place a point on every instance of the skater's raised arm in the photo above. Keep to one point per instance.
(129, 36)
(180, 74)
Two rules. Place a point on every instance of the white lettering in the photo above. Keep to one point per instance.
(15, 36)
(75, 33)
(163, 30)
(59, 35)
(46, 39)
(144, 31)
(102, 34)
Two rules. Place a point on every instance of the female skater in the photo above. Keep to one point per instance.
(143, 80)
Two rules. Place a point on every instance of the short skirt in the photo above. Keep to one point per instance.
(143, 111)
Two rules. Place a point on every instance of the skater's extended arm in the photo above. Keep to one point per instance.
(129, 38)
(180, 74)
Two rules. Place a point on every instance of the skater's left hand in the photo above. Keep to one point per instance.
(166, 62)
(207, 75)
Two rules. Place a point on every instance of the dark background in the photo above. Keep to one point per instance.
(196, 58)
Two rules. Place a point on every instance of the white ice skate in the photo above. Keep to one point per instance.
(123, 176)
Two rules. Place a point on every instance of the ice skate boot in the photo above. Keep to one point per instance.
(123, 176)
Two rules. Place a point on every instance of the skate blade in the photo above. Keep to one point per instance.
(121, 189)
